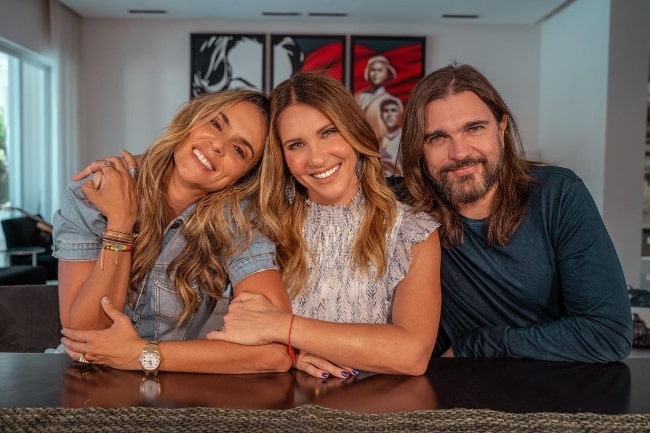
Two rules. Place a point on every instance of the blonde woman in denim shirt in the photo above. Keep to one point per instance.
(143, 258)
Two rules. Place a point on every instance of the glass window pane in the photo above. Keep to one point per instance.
(5, 116)
(33, 149)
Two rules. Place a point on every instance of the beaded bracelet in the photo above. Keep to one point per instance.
(121, 248)
(116, 241)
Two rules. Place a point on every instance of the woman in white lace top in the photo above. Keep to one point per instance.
(362, 270)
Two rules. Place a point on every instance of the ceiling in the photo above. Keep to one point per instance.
(502, 12)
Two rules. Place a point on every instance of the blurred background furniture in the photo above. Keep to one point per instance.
(29, 318)
(22, 274)
(640, 303)
(33, 252)
(396, 183)
(29, 242)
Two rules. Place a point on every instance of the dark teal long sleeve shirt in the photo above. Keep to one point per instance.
(556, 292)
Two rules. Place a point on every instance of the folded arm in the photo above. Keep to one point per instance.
(402, 347)
(84, 281)
(119, 346)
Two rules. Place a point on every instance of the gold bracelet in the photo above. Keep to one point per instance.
(119, 236)
(117, 241)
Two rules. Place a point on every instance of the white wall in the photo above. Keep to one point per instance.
(594, 75)
(574, 90)
(136, 73)
(26, 23)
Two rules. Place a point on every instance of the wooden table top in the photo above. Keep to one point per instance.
(510, 385)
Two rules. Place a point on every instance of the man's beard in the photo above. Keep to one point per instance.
(471, 187)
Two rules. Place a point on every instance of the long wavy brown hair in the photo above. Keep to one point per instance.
(509, 205)
(285, 221)
(218, 218)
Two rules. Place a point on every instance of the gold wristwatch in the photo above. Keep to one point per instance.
(150, 358)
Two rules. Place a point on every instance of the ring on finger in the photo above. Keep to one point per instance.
(83, 359)
(107, 163)
(133, 172)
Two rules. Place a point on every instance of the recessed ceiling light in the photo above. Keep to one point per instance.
(281, 14)
(327, 14)
(461, 16)
(147, 11)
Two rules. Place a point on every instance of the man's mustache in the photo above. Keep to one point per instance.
(463, 163)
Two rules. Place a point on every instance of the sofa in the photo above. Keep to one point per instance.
(22, 274)
(29, 318)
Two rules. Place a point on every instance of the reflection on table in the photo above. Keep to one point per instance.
(510, 385)
(85, 386)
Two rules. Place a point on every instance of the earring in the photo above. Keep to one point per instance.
(358, 167)
(290, 190)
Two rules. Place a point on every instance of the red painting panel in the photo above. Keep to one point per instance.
(294, 53)
(384, 71)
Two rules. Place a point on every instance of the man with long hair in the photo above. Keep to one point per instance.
(528, 268)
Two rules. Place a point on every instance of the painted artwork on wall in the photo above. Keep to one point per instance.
(384, 71)
(294, 53)
(226, 61)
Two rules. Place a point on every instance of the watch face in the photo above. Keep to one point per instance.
(150, 361)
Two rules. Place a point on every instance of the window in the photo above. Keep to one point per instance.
(4, 105)
(25, 133)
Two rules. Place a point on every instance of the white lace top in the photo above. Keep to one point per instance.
(335, 290)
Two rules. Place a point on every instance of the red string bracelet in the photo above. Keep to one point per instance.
(290, 350)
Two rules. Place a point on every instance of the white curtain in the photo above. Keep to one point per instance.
(65, 28)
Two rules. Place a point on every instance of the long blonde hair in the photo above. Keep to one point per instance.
(284, 222)
(217, 219)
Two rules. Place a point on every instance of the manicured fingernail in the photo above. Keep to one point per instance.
(345, 373)
(355, 371)
(105, 300)
(325, 375)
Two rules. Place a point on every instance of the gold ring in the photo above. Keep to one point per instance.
(83, 359)
(107, 163)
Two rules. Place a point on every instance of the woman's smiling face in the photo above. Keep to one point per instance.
(317, 155)
(220, 151)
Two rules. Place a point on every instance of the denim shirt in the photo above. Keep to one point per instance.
(78, 230)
